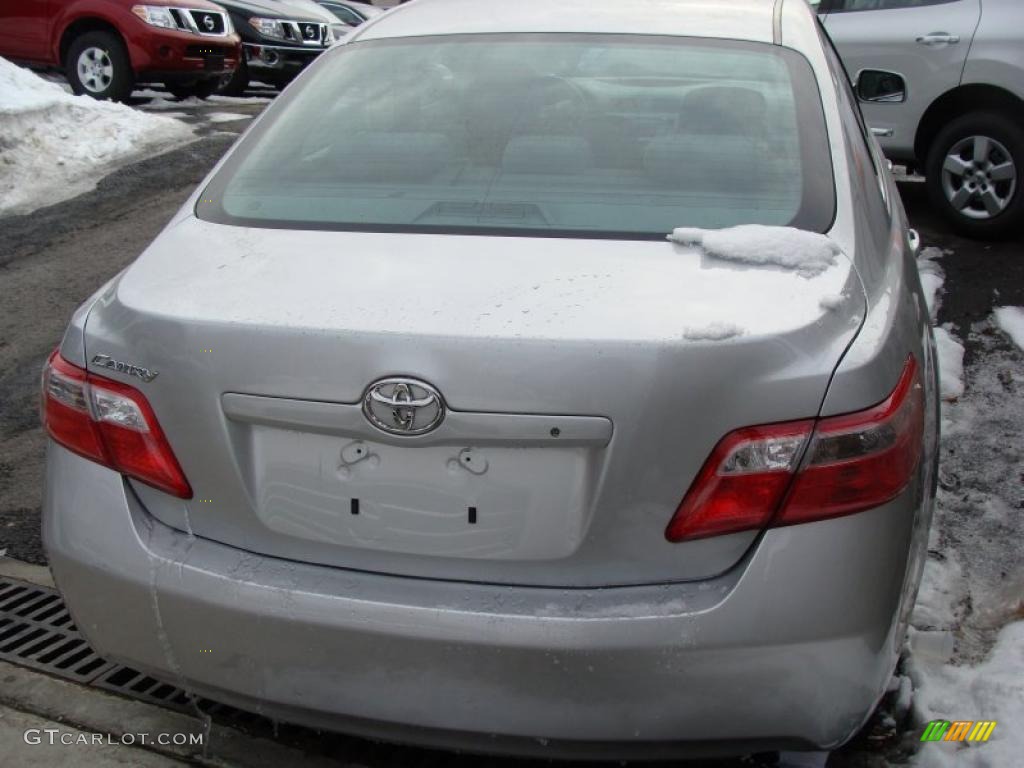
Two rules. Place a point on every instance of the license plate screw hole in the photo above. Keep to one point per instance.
(555, 431)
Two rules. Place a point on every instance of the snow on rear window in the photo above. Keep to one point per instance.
(603, 135)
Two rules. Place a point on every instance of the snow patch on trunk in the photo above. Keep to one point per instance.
(713, 332)
(1011, 321)
(808, 253)
(54, 146)
(832, 302)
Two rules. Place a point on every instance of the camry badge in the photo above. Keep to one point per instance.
(402, 406)
(105, 361)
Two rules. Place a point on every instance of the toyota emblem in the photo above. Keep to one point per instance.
(402, 406)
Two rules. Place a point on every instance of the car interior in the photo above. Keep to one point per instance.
(585, 141)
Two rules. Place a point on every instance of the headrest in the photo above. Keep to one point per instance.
(722, 109)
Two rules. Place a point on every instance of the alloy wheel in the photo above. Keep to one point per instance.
(95, 69)
(979, 177)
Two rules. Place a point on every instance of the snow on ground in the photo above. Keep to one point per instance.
(932, 278)
(950, 351)
(160, 100)
(951, 364)
(991, 690)
(1011, 321)
(225, 117)
(808, 253)
(966, 646)
(54, 146)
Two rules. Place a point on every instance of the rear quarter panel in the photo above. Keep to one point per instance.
(897, 325)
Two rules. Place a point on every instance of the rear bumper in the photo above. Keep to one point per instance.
(791, 649)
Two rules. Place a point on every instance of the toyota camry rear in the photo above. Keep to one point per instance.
(531, 378)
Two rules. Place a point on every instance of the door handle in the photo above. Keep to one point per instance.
(939, 38)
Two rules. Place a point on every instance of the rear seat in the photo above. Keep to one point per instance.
(550, 155)
(408, 156)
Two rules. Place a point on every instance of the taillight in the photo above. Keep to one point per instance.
(109, 423)
(797, 472)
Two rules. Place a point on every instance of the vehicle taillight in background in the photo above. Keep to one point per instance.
(798, 472)
(109, 423)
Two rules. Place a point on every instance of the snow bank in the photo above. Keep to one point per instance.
(932, 278)
(989, 691)
(951, 364)
(54, 146)
(807, 253)
(1011, 321)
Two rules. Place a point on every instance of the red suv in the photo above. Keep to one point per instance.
(106, 47)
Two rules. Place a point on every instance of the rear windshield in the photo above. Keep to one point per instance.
(615, 136)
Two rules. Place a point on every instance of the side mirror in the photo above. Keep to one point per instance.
(879, 87)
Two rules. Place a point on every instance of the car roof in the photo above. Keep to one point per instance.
(734, 19)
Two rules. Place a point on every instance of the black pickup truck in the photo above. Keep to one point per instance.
(279, 38)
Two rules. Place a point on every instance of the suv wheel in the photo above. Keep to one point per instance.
(975, 174)
(97, 65)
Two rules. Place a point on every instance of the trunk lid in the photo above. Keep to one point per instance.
(586, 382)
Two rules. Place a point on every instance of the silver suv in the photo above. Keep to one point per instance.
(942, 86)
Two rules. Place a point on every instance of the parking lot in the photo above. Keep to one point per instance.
(55, 257)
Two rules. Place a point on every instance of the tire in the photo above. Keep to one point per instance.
(238, 82)
(201, 90)
(975, 175)
(97, 65)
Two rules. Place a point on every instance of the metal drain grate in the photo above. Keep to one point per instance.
(36, 631)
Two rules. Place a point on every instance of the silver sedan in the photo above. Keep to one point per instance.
(533, 378)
